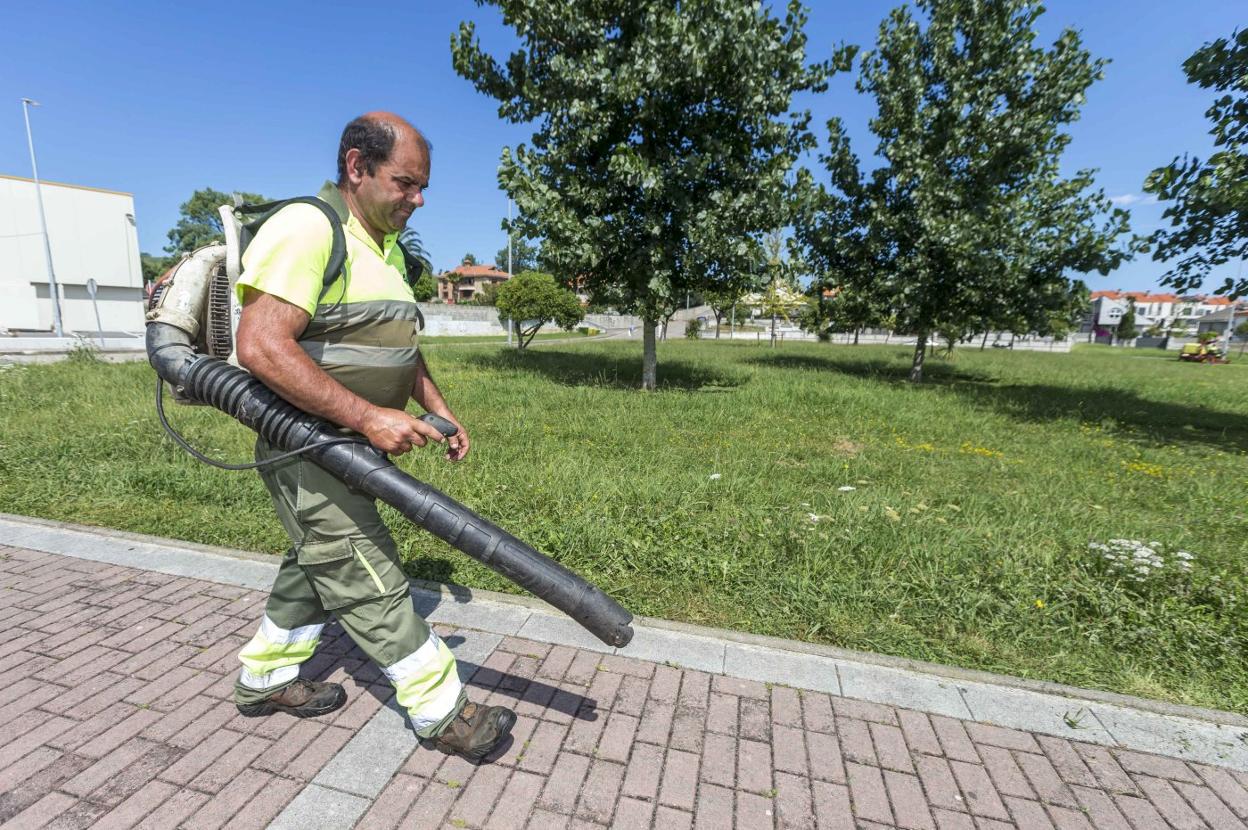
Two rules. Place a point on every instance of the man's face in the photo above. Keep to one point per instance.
(389, 196)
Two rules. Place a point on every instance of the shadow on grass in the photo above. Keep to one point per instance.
(1126, 410)
(1158, 420)
(934, 371)
(582, 368)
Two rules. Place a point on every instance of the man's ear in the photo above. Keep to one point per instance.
(355, 168)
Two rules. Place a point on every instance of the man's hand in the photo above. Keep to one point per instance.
(396, 432)
(459, 443)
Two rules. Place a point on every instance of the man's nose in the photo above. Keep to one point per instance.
(418, 199)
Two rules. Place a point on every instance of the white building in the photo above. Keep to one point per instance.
(93, 236)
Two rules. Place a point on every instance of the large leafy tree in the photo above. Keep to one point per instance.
(533, 299)
(968, 219)
(1209, 211)
(660, 141)
(198, 221)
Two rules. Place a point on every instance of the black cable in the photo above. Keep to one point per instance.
(181, 442)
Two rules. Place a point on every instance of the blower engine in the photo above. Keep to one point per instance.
(190, 335)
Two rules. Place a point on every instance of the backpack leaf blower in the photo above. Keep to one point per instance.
(185, 328)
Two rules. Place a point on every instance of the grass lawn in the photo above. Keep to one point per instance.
(805, 492)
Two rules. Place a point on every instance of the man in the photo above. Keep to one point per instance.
(348, 353)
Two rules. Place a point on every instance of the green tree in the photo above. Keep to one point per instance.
(410, 239)
(661, 142)
(524, 256)
(832, 229)
(488, 295)
(469, 259)
(727, 293)
(199, 223)
(968, 220)
(426, 287)
(533, 299)
(1241, 331)
(1209, 211)
(1126, 326)
(816, 317)
(154, 266)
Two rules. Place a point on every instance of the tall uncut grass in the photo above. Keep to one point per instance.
(806, 492)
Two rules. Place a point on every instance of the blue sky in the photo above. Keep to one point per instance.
(160, 99)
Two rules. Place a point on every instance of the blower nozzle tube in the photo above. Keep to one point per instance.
(359, 465)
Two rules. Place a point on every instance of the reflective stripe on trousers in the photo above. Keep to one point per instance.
(426, 683)
(273, 656)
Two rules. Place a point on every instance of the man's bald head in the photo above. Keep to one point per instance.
(375, 135)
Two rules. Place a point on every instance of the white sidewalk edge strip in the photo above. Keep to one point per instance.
(1201, 735)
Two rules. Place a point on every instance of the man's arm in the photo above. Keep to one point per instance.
(426, 393)
(267, 347)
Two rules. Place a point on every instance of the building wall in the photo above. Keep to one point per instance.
(92, 234)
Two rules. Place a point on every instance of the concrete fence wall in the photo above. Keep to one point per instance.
(788, 335)
(443, 320)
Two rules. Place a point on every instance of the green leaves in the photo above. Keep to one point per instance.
(199, 223)
(660, 138)
(533, 299)
(1209, 217)
(968, 224)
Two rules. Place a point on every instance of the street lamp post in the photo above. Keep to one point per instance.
(57, 329)
(509, 324)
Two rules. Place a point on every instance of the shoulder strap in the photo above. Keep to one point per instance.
(415, 269)
(265, 211)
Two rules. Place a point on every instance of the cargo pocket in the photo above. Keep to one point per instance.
(340, 573)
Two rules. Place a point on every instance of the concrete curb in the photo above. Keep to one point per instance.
(1195, 734)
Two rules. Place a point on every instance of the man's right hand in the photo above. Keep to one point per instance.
(395, 432)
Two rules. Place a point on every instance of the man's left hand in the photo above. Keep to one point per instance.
(459, 443)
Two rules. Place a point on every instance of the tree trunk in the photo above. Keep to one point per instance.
(983, 342)
(920, 352)
(649, 359)
(856, 336)
(719, 315)
(773, 330)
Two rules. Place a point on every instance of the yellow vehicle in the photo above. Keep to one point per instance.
(1202, 353)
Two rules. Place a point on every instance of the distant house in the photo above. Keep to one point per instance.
(461, 284)
(1182, 316)
(1216, 322)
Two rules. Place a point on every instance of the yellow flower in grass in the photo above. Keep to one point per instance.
(1144, 468)
(1040, 604)
(970, 449)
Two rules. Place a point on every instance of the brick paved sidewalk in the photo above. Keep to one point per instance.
(115, 712)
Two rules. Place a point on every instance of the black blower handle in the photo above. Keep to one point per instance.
(440, 424)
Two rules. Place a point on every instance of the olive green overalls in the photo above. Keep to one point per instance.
(343, 560)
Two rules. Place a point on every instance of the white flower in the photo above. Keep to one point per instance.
(1184, 555)
(847, 489)
(814, 517)
(715, 476)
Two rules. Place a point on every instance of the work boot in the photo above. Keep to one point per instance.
(476, 731)
(302, 698)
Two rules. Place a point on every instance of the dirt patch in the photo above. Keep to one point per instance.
(846, 447)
